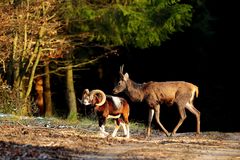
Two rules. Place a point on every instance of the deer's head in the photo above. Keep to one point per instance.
(122, 84)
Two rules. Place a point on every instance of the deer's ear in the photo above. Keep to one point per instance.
(126, 77)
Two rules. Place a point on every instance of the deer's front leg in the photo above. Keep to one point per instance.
(150, 117)
(157, 118)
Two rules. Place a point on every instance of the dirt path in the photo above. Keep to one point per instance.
(19, 141)
(209, 145)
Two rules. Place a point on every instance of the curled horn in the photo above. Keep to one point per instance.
(97, 91)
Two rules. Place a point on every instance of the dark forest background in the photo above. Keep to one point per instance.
(204, 54)
(208, 60)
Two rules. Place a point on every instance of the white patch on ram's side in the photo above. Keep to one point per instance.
(116, 101)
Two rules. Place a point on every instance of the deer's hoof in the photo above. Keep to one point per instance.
(171, 135)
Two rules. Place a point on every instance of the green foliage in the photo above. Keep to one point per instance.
(78, 15)
(139, 24)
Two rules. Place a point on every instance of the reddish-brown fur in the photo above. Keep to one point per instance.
(108, 109)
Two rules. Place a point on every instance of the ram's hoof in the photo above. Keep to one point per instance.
(103, 134)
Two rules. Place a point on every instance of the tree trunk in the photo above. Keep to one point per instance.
(13, 66)
(71, 98)
(47, 91)
(38, 52)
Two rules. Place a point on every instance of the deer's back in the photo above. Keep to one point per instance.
(167, 90)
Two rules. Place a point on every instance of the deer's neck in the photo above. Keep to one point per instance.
(135, 91)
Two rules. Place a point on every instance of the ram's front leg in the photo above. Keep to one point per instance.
(117, 126)
(102, 122)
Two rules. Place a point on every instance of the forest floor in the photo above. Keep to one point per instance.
(40, 138)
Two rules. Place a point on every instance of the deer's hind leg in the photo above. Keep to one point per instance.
(181, 100)
(193, 110)
(183, 116)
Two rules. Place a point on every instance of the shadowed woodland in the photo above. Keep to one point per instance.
(50, 51)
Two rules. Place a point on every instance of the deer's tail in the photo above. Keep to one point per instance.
(196, 91)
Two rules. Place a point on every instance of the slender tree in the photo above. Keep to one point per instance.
(71, 98)
(47, 91)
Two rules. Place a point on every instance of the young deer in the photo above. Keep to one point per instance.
(155, 93)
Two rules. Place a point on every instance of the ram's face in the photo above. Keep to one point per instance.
(86, 100)
(86, 97)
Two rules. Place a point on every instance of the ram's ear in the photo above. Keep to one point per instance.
(126, 77)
